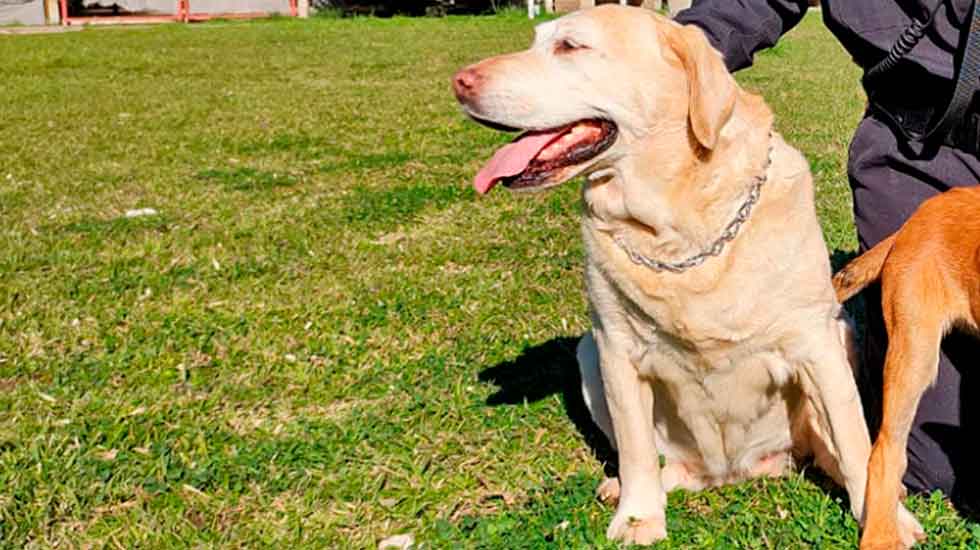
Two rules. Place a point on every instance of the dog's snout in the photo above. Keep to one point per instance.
(466, 83)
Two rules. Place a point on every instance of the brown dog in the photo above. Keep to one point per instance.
(930, 279)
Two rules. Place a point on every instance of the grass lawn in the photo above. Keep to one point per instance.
(323, 337)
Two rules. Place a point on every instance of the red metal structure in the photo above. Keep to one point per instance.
(182, 14)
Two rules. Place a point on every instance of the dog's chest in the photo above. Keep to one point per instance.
(716, 384)
(685, 316)
(731, 406)
(708, 358)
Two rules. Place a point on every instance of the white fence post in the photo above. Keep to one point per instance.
(530, 9)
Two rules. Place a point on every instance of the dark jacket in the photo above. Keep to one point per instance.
(866, 28)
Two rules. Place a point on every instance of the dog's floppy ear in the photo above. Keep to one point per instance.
(712, 88)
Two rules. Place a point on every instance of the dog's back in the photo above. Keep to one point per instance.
(940, 243)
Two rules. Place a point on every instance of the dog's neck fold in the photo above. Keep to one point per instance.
(676, 205)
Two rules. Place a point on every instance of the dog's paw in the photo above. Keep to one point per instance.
(676, 475)
(882, 544)
(909, 529)
(900, 536)
(608, 491)
(631, 530)
(879, 545)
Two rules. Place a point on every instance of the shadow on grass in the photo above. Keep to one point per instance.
(839, 258)
(544, 370)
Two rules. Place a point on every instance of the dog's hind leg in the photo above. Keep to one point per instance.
(915, 322)
(837, 417)
(838, 421)
(592, 390)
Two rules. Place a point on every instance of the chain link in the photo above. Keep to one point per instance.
(728, 235)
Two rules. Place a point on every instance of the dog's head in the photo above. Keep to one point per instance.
(591, 89)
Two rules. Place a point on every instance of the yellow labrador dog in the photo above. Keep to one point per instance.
(717, 339)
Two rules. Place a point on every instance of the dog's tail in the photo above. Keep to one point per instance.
(862, 271)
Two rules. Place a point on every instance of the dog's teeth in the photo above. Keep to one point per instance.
(549, 152)
(578, 129)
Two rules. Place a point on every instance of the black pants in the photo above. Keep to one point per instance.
(889, 181)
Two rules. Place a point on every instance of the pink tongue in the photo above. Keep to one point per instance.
(512, 159)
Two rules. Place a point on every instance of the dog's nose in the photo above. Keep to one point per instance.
(465, 83)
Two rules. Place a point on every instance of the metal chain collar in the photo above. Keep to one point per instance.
(731, 230)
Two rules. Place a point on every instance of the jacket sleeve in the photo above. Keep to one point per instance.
(739, 28)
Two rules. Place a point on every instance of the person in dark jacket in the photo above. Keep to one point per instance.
(890, 173)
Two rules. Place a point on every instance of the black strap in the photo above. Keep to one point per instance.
(967, 82)
(900, 48)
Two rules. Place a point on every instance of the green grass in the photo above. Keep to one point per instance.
(324, 338)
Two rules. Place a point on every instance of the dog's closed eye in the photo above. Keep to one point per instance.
(569, 45)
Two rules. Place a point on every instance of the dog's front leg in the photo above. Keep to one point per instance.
(640, 515)
(829, 384)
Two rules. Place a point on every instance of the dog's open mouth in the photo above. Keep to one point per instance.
(540, 159)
